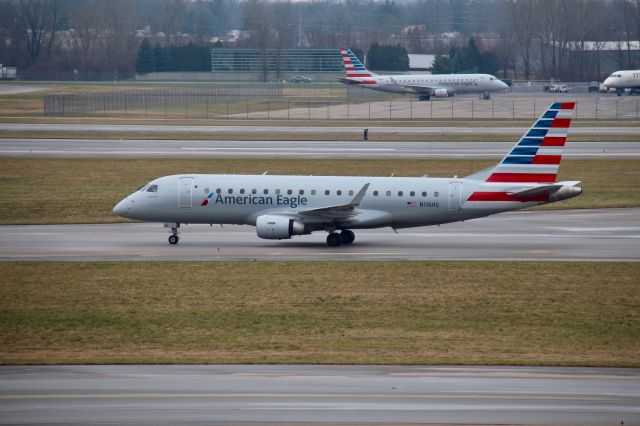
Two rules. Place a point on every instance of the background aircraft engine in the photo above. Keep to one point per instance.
(441, 93)
(274, 227)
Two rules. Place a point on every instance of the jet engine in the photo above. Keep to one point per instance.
(275, 227)
(442, 93)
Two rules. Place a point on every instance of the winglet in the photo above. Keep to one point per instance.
(359, 196)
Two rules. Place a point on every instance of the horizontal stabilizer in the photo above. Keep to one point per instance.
(348, 80)
(540, 190)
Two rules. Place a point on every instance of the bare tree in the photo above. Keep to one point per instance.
(38, 21)
(525, 28)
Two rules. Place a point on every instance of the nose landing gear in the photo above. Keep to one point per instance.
(174, 238)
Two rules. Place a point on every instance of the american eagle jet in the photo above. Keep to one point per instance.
(424, 85)
(281, 207)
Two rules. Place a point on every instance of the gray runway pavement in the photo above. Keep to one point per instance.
(293, 149)
(318, 394)
(602, 234)
(244, 129)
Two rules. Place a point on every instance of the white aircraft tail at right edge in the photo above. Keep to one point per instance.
(423, 85)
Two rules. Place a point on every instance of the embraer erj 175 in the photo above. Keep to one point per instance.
(621, 80)
(424, 85)
(283, 206)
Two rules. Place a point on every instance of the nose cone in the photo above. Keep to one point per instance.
(123, 207)
(504, 86)
(608, 82)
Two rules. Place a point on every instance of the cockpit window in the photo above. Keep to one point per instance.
(152, 188)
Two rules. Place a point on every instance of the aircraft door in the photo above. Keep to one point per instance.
(454, 196)
(185, 191)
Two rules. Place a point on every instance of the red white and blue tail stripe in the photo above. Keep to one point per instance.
(356, 71)
(533, 161)
(536, 157)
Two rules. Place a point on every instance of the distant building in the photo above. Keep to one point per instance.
(420, 62)
(275, 64)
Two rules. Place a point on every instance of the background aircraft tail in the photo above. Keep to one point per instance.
(355, 70)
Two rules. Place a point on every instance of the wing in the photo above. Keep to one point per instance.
(335, 213)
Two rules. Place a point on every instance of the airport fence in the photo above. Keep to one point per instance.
(276, 102)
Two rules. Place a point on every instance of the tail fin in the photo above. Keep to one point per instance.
(536, 157)
(353, 67)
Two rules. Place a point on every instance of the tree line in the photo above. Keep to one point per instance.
(564, 39)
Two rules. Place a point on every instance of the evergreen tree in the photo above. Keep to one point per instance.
(442, 65)
(145, 62)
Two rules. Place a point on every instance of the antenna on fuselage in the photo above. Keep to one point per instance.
(265, 172)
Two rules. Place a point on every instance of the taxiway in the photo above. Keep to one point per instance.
(317, 394)
(593, 235)
(292, 149)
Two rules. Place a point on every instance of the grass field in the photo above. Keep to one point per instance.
(520, 313)
(38, 190)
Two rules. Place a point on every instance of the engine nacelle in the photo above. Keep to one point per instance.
(442, 93)
(275, 227)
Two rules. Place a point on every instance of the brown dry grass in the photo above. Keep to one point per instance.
(529, 313)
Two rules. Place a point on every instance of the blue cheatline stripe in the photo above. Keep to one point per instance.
(543, 123)
(556, 105)
(530, 142)
(550, 114)
(524, 151)
(517, 160)
(537, 132)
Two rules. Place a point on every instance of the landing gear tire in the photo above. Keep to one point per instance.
(424, 97)
(347, 236)
(485, 96)
(334, 239)
(173, 239)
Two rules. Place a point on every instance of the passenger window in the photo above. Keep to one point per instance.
(388, 193)
(218, 190)
(375, 193)
(424, 193)
(277, 192)
(435, 194)
(289, 191)
(351, 192)
(412, 193)
(266, 191)
(400, 193)
(313, 192)
(152, 188)
(206, 190)
(242, 190)
(327, 192)
(301, 192)
(230, 190)
(254, 191)
(339, 192)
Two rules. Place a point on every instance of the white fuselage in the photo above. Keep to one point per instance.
(240, 199)
(624, 79)
(454, 83)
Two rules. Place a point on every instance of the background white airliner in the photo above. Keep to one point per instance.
(283, 206)
(623, 79)
(424, 85)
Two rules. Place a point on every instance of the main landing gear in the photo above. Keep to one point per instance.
(174, 238)
(345, 237)
(424, 97)
(485, 96)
